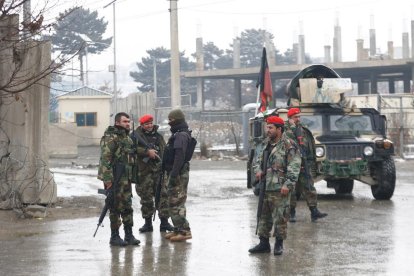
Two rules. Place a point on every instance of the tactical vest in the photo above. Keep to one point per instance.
(122, 153)
(168, 157)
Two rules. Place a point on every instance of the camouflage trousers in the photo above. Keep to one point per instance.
(145, 188)
(275, 212)
(123, 206)
(177, 196)
(306, 190)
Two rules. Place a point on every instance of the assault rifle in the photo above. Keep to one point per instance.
(135, 137)
(110, 201)
(159, 188)
(262, 187)
(141, 140)
(249, 168)
(134, 153)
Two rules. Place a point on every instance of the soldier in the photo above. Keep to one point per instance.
(283, 166)
(117, 159)
(305, 185)
(178, 168)
(149, 169)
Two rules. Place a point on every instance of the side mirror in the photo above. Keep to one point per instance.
(257, 129)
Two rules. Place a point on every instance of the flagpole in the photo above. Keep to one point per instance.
(259, 88)
(257, 101)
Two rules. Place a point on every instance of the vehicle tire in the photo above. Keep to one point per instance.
(385, 173)
(342, 186)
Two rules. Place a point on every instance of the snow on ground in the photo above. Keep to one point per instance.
(76, 182)
(212, 183)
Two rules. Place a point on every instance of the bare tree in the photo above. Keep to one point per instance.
(25, 69)
(17, 41)
(235, 131)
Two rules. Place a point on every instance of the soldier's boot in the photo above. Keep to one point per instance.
(129, 237)
(181, 235)
(169, 235)
(165, 225)
(315, 214)
(147, 227)
(116, 239)
(292, 217)
(262, 247)
(278, 250)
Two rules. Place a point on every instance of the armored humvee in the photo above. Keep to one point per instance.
(351, 143)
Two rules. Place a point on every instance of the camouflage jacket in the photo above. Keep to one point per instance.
(116, 146)
(283, 165)
(307, 146)
(154, 140)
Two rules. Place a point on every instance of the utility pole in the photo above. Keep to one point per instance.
(175, 57)
(154, 68)
(115, 96)
(27, 14)
(86, 65)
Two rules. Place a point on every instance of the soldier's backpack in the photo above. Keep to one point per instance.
(190, 148)
(168, 157)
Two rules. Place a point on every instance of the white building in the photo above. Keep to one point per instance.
(89, 110)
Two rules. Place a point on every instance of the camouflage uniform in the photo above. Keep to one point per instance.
(177, 185)
(177, 192)
(283, 168)
(149, 173)
(116, 147)
(305, 185)
(176, 162)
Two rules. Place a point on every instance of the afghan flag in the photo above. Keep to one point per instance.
(264, 84)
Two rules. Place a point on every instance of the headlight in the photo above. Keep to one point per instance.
(387, 144)
(368, 151)
(320, 151)
(383, 144)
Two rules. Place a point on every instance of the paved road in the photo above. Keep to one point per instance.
(361, 236)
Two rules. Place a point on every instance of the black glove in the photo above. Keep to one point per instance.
(257, 187)
(109, 201)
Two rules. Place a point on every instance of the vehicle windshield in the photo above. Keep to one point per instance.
(350, 124)
(312, 122)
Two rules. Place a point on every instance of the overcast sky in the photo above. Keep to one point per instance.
(145, 24)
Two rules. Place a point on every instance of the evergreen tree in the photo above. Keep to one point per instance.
(211, 55)
(79, 31)
(251, 46)
(216, 91)
(145, 74)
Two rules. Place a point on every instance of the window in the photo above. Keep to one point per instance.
(350, 123)
(312, 122)
(86, 119)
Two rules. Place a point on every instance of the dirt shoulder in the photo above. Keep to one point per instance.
(15, 224)
(75, 207)
(64, 208)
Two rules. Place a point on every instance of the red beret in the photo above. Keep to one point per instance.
(146, 118)
(275, 120)
(293, 111)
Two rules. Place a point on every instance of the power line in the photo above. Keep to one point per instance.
(296, 11)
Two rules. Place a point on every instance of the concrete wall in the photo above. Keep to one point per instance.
(138, 104)
(24, 106)
(87, 135)
(63, 140)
